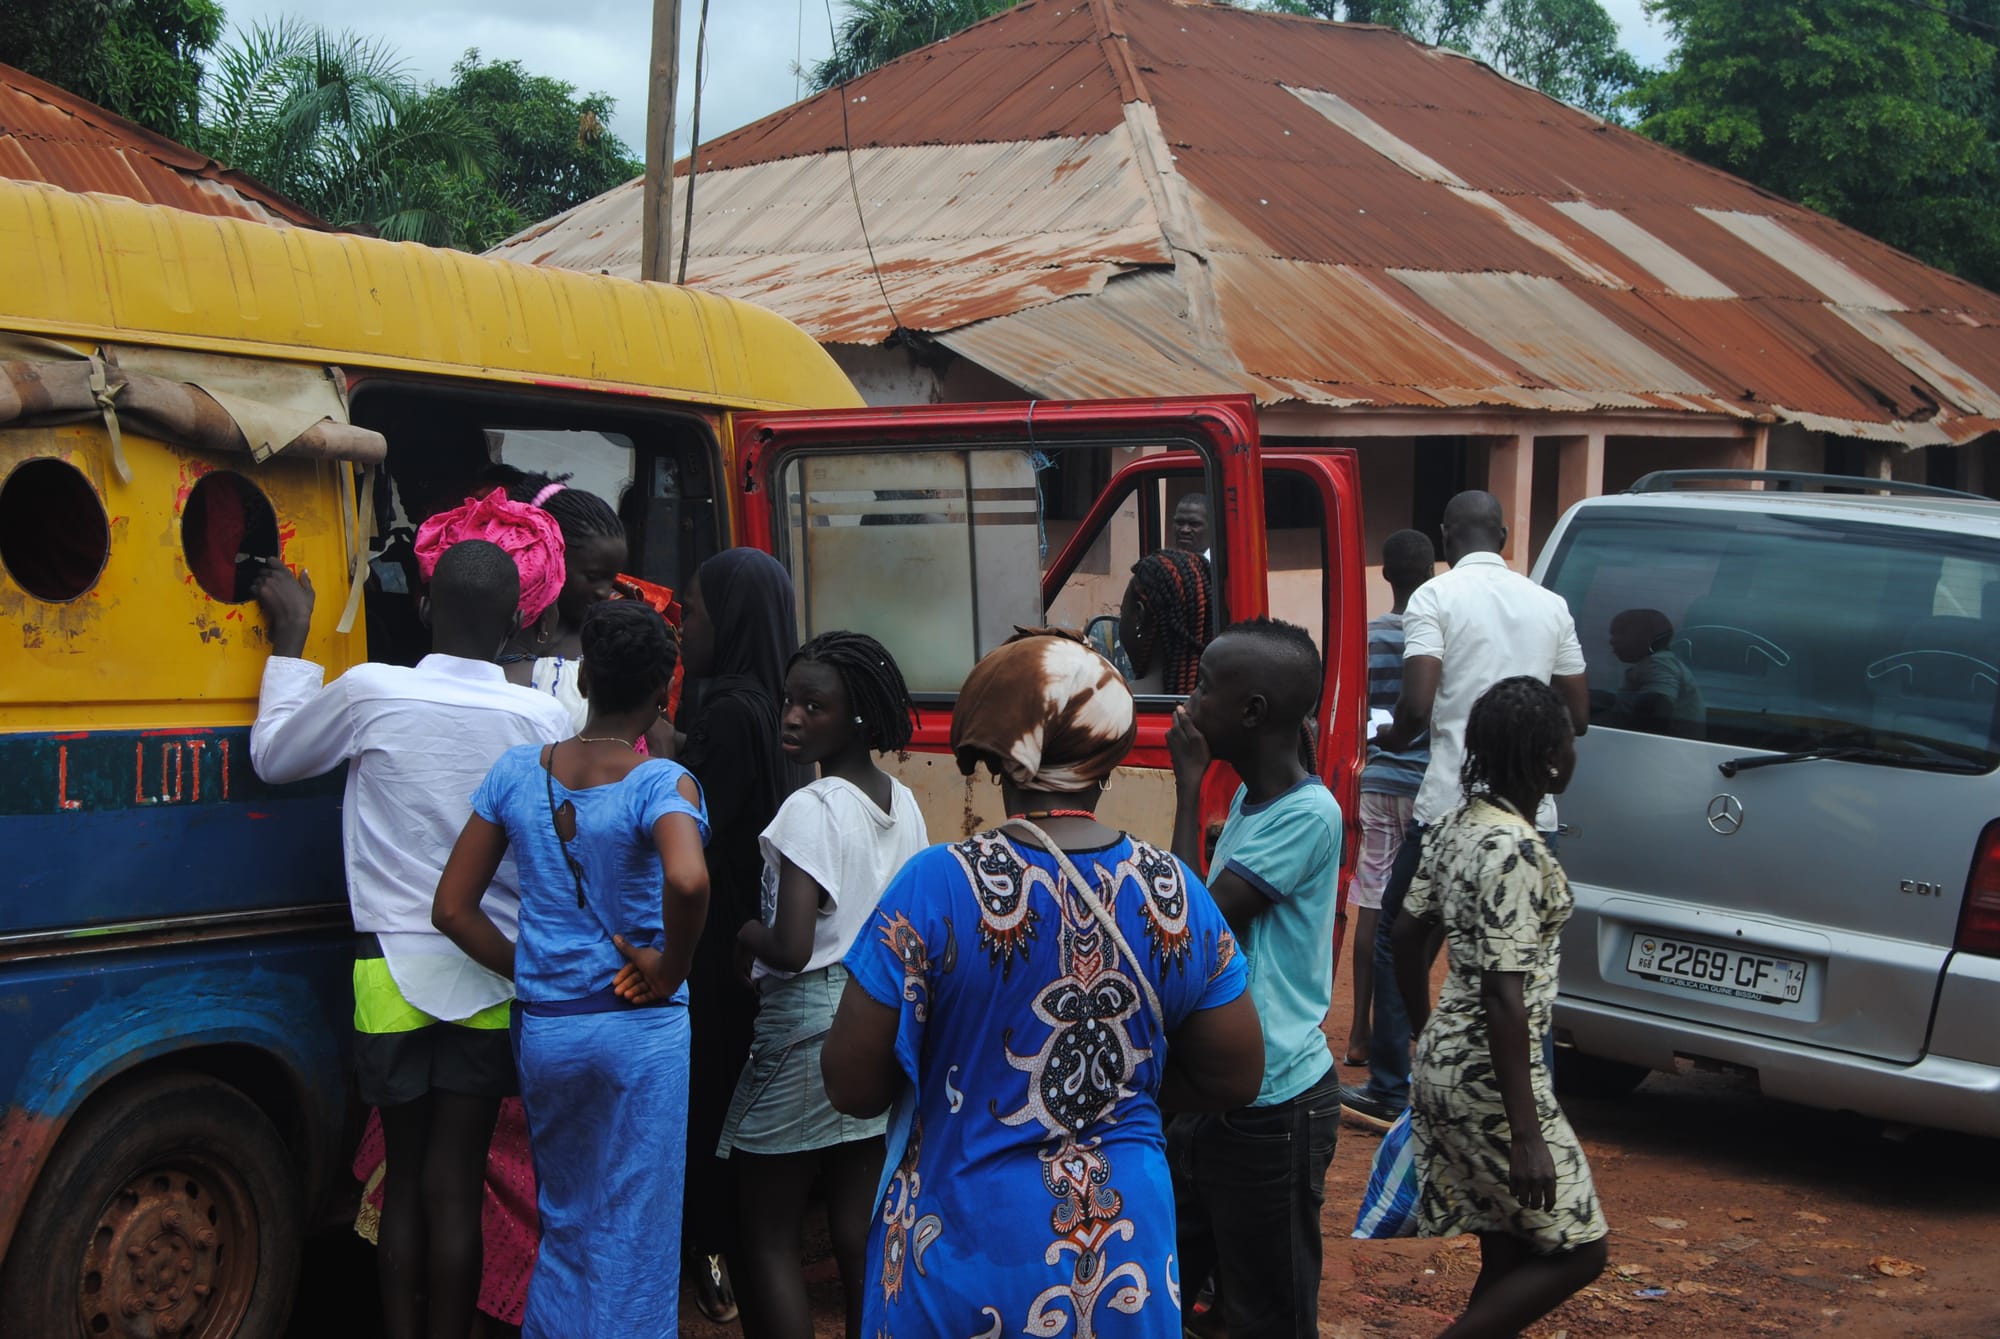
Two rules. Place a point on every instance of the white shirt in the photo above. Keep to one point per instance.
(1486, 622)
(419, 741)
(832, 831)
(559, 677)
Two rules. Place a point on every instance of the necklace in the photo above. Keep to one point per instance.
(1055, 813)
(610, 739)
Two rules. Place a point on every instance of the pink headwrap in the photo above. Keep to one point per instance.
(529, 535)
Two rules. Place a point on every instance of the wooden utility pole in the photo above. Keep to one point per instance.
(656, 245)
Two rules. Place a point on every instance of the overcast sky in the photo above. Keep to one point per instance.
(602, 45)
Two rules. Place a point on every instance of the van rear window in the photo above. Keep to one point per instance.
(1782, 633)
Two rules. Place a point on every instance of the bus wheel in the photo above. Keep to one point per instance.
(170, 1208)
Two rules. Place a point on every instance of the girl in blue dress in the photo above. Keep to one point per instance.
(1028, 998)
(614, 889)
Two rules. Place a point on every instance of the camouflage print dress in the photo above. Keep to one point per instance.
(1503, 900)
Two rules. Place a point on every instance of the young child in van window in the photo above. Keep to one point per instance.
(1659, 694)
(828, 854)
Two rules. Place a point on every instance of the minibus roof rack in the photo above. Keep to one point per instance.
(1789, 481)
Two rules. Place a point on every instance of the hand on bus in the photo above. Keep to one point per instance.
(287, 602)
(644, 979)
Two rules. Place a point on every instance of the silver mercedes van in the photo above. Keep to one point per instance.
(1784, 833)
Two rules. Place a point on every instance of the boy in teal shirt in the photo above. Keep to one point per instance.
(1249, 1183)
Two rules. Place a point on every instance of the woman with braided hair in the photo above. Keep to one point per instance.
(828, 855)
(614, 891)
(1164, 620)
(1495, 1154)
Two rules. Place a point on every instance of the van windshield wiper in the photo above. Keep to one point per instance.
(1930, 759)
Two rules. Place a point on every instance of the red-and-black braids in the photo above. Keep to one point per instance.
(1178, 595)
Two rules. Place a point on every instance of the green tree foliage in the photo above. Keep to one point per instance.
(1881, 113)
(875, 32)
(139, 58)
(1566, 48)
(552, 149)
(334, 122)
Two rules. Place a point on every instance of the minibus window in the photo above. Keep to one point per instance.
(1788, 633)
(54, 538)
(934, 552)
(228, 531)
(596, 462)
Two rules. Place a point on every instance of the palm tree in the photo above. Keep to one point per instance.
(875, 32)
(334, 122)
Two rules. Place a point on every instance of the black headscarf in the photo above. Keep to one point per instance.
(756, 620)
(731, 716)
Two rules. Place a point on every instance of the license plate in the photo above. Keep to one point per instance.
(1691, 965)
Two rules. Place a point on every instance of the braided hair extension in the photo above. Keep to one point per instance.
(630, 652)
(874, 684)
(578, 514)
(1174, 588)
(1511, 740)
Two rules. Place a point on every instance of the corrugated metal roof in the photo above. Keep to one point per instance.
(1145, 197)
(50, 135)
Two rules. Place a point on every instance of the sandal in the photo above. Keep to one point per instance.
(712, 1292)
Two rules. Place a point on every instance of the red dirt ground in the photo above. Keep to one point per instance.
(1755, 1217)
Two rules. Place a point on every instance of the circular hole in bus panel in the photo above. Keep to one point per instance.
(54, 536)
(228, 529)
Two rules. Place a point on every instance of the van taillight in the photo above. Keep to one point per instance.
(1979, 919)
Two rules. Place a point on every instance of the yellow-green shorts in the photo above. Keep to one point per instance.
(402, 1053)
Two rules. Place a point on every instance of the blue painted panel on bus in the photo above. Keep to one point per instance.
(132, 825)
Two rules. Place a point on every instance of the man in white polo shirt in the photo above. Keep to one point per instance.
(1463, 632)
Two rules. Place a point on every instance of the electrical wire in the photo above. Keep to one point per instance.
(854, 188)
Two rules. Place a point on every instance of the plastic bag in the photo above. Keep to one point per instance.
(1389, 1205)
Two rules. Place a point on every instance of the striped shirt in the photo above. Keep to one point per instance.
(1390, 773)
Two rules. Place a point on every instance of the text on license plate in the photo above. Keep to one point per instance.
(1722, 971)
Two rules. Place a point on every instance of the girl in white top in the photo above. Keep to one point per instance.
(828, 855)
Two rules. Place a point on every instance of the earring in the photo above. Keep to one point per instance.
(859, 721)
(1555, 771)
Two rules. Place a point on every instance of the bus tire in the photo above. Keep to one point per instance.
(171, 1207)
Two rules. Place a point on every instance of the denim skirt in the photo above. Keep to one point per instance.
(780, 1104)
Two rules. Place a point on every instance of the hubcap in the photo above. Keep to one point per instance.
(169, 1257)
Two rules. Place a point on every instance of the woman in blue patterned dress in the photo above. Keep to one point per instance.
(1027, 1010)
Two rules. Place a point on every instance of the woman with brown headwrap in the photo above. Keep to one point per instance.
(1026, 999)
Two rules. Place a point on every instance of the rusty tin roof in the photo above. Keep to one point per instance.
(1146, 197)
(50, 135)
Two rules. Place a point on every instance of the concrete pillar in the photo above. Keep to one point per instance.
(1510, 476)
(1753, 453)
(1581, 471)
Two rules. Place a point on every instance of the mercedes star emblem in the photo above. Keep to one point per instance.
(1725, 814)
